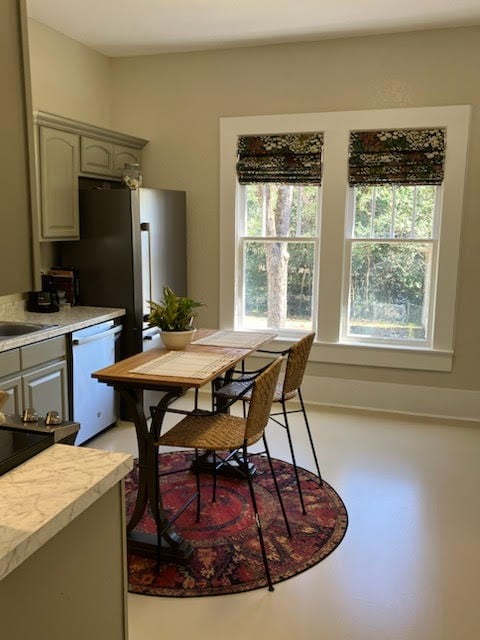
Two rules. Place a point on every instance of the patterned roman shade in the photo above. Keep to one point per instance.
(396, 156)
(289, 158)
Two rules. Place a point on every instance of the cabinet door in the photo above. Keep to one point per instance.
(123, 156)
(45, 389)
(14, 404)
(59, 169)
(96, 156)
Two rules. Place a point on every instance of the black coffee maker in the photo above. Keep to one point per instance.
(46, 300)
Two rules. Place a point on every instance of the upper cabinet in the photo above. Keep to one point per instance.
(96, 156)
(59, 168)
(105, 158)
(65, 150)
(16, 153)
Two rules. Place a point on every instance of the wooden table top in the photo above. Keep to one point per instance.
(121, 374)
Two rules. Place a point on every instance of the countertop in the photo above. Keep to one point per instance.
(43, 495)
(68, 319)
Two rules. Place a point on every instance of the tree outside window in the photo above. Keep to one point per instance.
(278, 248)
(392, 251)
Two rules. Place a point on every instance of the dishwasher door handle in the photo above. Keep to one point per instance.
(98, 336)
(152, 336)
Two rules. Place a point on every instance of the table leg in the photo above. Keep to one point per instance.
(173, 545)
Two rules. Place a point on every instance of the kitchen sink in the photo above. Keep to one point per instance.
(12, 329)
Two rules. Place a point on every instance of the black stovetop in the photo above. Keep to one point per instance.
(18, 446)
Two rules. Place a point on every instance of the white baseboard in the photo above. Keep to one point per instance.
(435, 402)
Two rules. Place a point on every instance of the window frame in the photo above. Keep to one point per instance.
(243, 239)
(336, 126)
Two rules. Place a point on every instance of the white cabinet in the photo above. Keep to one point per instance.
(96, 156)
(59, 154)
(36, 376)
(123, 156)
(67, 149)
(105, 158)
(45, 389)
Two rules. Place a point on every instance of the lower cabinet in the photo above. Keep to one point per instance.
(75, 585)
(45, 389)
(35, 376)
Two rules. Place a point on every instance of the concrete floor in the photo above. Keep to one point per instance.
(408, 567)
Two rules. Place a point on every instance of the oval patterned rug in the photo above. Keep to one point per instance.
(226, 557)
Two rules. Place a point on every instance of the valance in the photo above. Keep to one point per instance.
(396, 156)
(289, 158)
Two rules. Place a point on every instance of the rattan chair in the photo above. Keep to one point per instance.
(221, 432)
(288, 387)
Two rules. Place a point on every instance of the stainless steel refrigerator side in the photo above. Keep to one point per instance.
(163, 224)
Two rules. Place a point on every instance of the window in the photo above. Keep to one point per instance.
(368, 261)
(392, 235)
(277, 228)
(278, 251)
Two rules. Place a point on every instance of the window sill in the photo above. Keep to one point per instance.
(392, 357)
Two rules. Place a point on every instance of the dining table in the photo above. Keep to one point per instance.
(211, 356)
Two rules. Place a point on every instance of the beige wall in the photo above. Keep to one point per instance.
(68, 78)
(175, 101)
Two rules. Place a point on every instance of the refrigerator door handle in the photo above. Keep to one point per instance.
(145, 227)
(98, 336)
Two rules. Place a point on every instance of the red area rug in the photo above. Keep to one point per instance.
(226, 557)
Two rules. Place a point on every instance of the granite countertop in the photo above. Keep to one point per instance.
(43, 495)
(68, 319)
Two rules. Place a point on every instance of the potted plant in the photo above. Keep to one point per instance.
(174, 317)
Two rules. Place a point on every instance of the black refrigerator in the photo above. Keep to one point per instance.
(132, 243)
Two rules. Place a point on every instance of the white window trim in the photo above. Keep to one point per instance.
(334, 193)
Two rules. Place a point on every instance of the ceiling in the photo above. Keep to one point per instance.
(143, 27)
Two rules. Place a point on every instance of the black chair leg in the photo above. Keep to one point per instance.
(310, 436)
(277, 488)
(259, 527)
(292, 453)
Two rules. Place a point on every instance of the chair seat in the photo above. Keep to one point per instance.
(237, 388)
(220, 431)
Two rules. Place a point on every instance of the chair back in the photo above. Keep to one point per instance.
(296, 363)
(261, 400)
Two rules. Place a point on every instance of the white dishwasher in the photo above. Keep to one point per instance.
(95, 405)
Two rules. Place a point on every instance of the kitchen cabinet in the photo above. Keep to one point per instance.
(104, 158)
(65, 150)
(59, 168)
(63, 561)
(97, 156)
(123, 156)
(36, 376)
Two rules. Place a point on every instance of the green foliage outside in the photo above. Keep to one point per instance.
(301, 221)
(389, 279)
